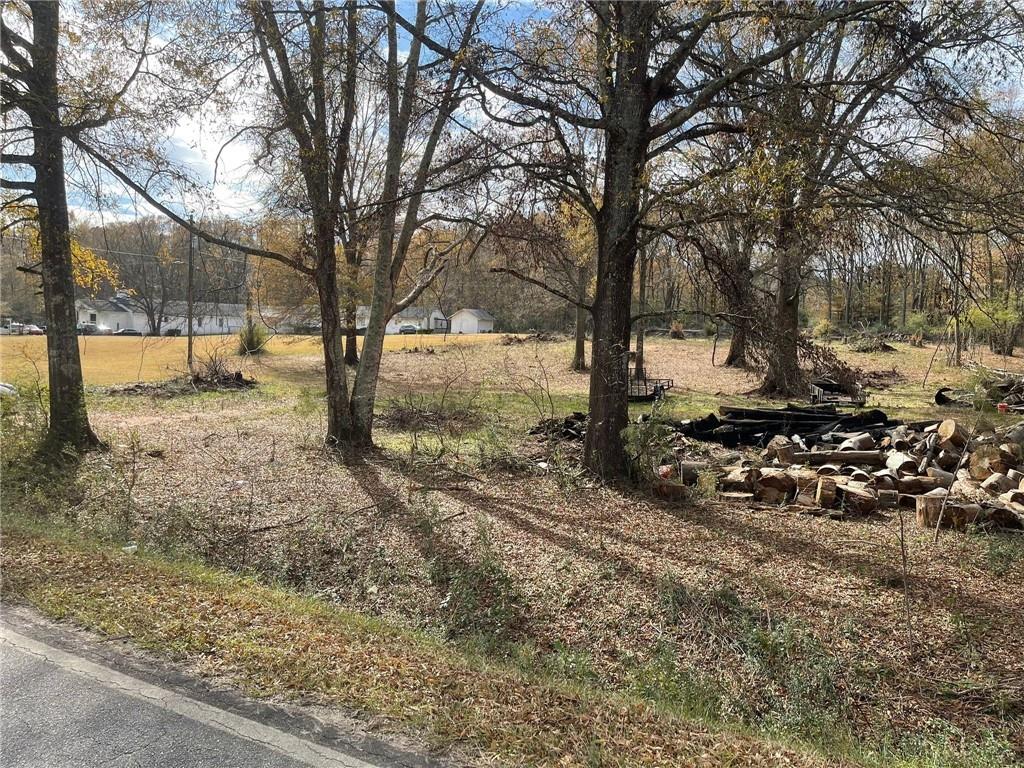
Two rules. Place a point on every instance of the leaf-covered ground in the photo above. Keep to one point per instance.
(754, 617)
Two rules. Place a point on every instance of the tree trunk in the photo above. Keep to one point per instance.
(339, 419)
(351, 338)
(69, 419)
(737, 357)
(617, 229)
(783, 376)
(579, 355)
(740, 303)
(641, 325)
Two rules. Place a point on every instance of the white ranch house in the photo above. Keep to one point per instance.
(215, 318)
(118, 313)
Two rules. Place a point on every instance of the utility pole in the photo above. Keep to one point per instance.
(191, 270)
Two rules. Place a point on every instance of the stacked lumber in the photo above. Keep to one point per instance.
(949, 475)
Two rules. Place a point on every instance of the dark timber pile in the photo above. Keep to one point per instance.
(736, 426)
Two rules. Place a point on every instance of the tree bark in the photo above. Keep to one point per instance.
(627, 138)
(737, 356)
(579, 355)
(339, 418)
(641, 327)
(69, 419)
(351, 337)
(783, 376)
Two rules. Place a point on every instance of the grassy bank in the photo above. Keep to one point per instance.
(275, 643)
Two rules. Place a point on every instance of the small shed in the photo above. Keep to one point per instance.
(471, 321)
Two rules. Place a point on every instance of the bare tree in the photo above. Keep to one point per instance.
(644, 76)
(35, 77)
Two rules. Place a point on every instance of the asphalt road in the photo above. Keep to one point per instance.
(59, 709)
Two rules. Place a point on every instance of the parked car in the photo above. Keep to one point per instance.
(172, 332)
(33, 330)
(408, 328)
(127, 332)
(88, 329)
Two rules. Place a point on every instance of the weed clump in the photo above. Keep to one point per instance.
(252, 339)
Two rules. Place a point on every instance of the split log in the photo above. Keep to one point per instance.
(953, 432)
(885, 479)
(1015, 474)
(827, 470)
(955, 515)
(899, 438)
(825, 494)
(901, 463)
(857, 474)
(945, 477)
(888, 499)
(805, 499)
(857, 499)
(1008, 515)
(966, 488)
(1015, 496)
(927, 451)
(770, 495)
(817, 458)
(781, 449)
(948, 460)
(860, 442)
(741, 479)
(1011, 453)
(778, 479)
(919, 484)
(997, 483)
(985, 461)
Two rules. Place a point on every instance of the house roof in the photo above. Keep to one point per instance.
(115, 304)
(170, 308)
(481, 314)
(203, 309)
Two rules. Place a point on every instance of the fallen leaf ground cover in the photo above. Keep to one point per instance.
(756, 618)
(276, 644)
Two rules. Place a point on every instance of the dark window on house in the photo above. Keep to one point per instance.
(92, 317)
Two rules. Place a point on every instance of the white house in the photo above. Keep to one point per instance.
(471, 321)
(118, 313)
(115, 314)
(208, 318)
(421, 317)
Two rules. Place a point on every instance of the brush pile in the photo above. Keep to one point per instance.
(994, 388)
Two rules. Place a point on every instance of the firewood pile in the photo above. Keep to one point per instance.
(862, 464)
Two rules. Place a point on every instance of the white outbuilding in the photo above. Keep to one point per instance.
(471, 321)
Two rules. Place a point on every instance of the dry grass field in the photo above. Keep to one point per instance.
(110, 360)
(749, 617)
